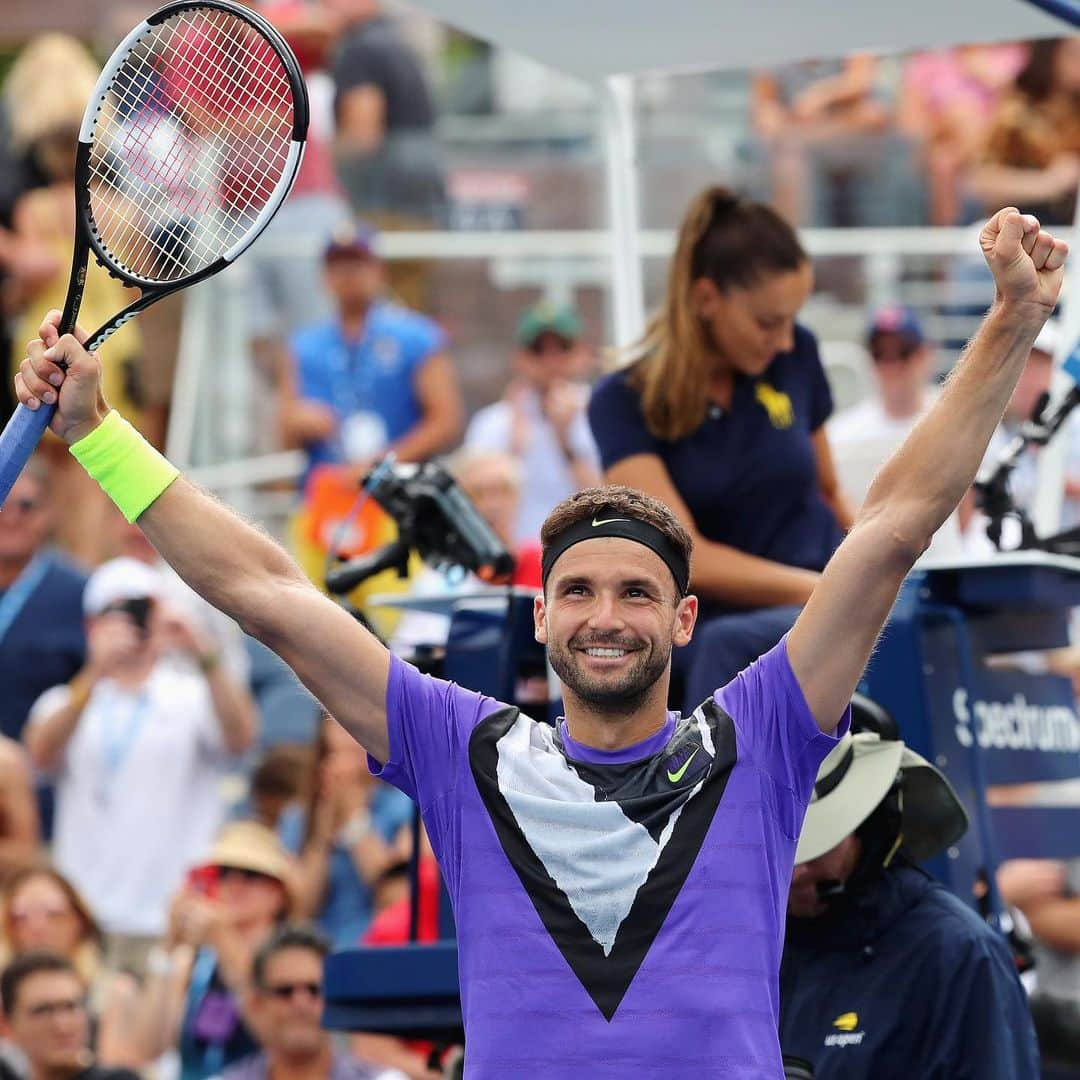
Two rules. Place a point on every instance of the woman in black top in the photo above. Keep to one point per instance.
(721, 415)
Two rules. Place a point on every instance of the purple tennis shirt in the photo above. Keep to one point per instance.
(618, 913)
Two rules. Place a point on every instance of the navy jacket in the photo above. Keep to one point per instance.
(45, 643)
(904, 982)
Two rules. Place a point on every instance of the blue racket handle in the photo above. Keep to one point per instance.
(17, 442)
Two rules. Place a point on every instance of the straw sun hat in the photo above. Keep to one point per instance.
(853, 780)
(247, 845)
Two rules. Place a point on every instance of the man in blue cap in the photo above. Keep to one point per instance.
(376, 378)
(865, 434)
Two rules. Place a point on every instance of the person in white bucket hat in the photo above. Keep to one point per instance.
(885, 972)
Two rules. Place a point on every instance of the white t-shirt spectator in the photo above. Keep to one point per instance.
(546, 475)
(227, 637)
(138, 794)
(862, 439)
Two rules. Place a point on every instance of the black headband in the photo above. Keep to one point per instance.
(610, 522)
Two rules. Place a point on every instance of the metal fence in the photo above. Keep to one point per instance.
(482, 279)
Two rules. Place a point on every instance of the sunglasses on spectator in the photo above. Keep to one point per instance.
(286, 991)
(899, 355)
(242, 872)
(48, 1010)
(26, 504)
(549, 343)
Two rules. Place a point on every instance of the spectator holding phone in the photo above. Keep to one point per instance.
(198, 976)
(136, 743)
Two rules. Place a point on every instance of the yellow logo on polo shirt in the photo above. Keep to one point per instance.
(777, 404)
(845, 1034)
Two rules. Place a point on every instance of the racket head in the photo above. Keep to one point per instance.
(190, 142)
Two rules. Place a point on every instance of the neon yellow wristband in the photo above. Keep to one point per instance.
(130, 471)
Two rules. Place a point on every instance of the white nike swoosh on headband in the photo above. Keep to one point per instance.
(607, 521)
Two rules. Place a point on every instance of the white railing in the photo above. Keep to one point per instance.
(210, 431)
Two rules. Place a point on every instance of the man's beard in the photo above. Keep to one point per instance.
(619, 695)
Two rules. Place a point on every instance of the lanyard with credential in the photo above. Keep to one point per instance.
(359, 381)
(118, 739)
(20, 590)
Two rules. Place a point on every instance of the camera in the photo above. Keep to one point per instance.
(434, 518)
(796, 1068)
(137, 609)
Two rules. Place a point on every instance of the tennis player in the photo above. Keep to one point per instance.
(620, 879)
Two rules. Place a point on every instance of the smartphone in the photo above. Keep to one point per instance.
(204, 880)
(138, 610)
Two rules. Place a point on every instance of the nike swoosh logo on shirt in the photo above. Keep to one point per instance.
(675, 777)
(607, 521)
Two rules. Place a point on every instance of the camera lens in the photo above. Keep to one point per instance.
(796, 1068)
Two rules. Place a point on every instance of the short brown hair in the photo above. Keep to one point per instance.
(23, 967)
(623, 500)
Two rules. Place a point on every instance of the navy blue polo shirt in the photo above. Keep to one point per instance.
(748, 474)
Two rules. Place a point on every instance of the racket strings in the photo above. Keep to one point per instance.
(189, 145)
(213, 93)
(242, 196)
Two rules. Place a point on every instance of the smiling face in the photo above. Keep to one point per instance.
(609, 616)
(748, 327)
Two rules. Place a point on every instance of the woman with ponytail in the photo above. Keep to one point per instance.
(721, 414)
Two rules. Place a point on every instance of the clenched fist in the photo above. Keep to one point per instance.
(1026, 261)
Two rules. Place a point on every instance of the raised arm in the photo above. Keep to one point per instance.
(921, 484)
(232, 564)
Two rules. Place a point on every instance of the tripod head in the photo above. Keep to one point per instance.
(435, 519)
(992, 489)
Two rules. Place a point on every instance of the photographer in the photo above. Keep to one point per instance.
(136, 743)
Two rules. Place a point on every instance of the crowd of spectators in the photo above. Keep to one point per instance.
(173, 869)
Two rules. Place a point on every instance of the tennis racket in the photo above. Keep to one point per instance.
(190, 142)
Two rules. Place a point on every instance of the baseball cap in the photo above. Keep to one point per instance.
(548, 318)
(356, 239)
(118, 580)
(896, 319)
(853, 780)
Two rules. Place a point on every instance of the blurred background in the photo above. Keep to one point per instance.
(464, 185)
